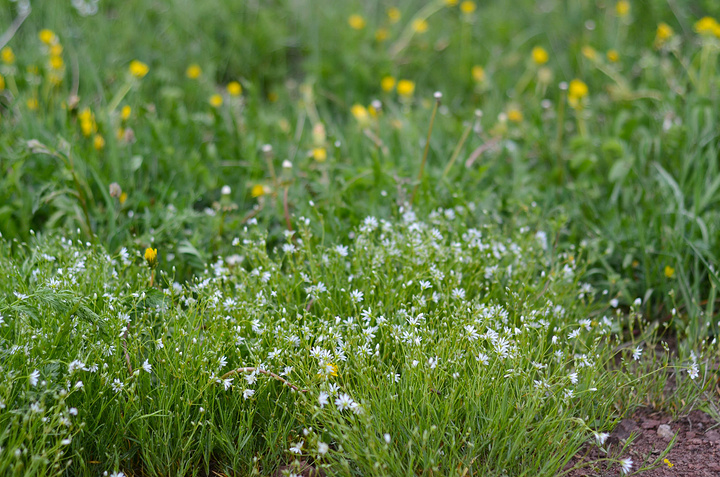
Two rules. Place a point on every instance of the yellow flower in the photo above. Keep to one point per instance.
(56, 62)
(669, 271)
(125, 112)
(87, 122)
(451, 3)
(576, 92)
(151, 257)
(613, 56)
(356, 22)
(589, 52)
(32, 104)
(387, 83)
(707, 26)
(234, 88)
(539, 55)
(98, 142)
(56, 49)
(393, 14)
(406, 88)
(622, 8)
(478, 73)
(420, 25)
(47, 37)
(259, 190)
(8, 57)
(216, 101)
(663, 34)
(381, 34)
(123, 198)
(2, 82)
(138, 69)
(319, 154)
(193, 71)
(333, 369)
(360, 113)
(120, 134)
(515, 115)
(668, 463)
(468, 6)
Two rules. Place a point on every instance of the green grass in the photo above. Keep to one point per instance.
(623, 190)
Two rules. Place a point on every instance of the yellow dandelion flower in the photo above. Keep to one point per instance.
(360, 113)
(125, 112)
(578, 89)
(234, 88)
(707, 26)
(589, 52)
(333, 369)
(319, 154)
(539, 55)
(138, 69)
(56, 62)
(2, 82)
(47, 37)
(356, 22)
(622, 8)
(613, 56)
(216, 100)
(56, 49)
(32, 104)
(98, 142)
(151, 257)
(123, 198)
(193, 71)
(451, 3)
(406, 88)
(272, 96)
(468, 6)
(420, 25)
(576, 92)
(381, 34)
(394, 14)
(387, 83)
(669, 271)
(668, 463)
(88, 126)
(120, 134)
(515, 115)
(664, 33)
(478, 73)
(258, 190)
(7, 55)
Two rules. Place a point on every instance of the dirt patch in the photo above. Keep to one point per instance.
(696, 451)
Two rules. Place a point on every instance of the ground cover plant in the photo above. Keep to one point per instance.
(371, 238)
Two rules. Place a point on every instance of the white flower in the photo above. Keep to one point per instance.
(34, 376)
(79, 385)
(323, 398)
(573, 378)
(65, 442)
(247, 394)
(323, 448)
(637, 353)
(600, 438)
(356, 296)
(693, 371)
(147, 366)
(637, 302)
(483, 359)
(227, 383)
(344, 401)
(614, 302)
(117, 385)
(297, 447)
(117, 474)
(223, 362)
(387, 438)
(73, 411)
(225, 190)
(341, 250)
(626, 465)
(458, 293)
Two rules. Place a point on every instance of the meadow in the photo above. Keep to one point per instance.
(357, 238)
